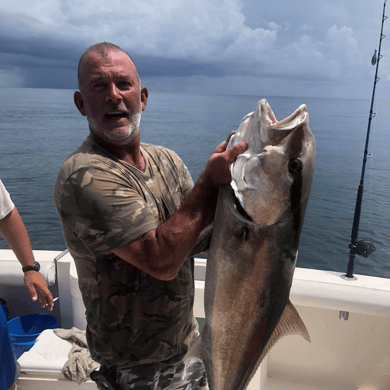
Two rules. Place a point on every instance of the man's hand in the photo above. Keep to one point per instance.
(34, 281)
(217, 170)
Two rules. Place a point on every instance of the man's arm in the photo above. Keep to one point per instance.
(15, 234)
(161, 252)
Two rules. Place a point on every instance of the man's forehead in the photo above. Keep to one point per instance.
(95, 60)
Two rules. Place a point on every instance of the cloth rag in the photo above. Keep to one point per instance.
(80, 363)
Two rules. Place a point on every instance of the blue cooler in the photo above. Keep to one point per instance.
(7, 357)
(25, 329)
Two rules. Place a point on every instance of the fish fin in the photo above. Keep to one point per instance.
(195, 350)
(289, 323)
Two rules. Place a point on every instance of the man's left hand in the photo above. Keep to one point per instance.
(217, 170)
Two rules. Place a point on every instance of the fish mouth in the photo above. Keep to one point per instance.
(291, 121)
(272, 131)
(239, 209)
(267, 113)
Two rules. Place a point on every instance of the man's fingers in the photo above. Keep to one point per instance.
(230, 136)
(223, 145)
(236, 150)
(33, 293)
(33, 282)
(46, 299)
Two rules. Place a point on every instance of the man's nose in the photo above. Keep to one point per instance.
(113, 93)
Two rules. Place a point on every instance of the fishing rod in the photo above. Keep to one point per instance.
(364, 248)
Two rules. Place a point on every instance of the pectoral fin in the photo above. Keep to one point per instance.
(289, 323)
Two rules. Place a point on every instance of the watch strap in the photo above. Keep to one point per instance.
(34, 267)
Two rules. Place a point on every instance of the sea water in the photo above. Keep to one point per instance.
(40, 127)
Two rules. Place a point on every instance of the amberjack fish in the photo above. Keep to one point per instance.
(254, 247)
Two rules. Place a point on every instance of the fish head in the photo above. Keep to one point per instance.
(275, 173)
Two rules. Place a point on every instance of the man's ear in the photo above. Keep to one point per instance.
(79, 102)
(144, 97)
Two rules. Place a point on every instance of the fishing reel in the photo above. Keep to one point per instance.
(363, 248)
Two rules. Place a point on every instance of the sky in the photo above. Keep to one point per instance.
(304, 48)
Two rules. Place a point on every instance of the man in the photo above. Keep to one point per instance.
(130, 215)
(14, 232)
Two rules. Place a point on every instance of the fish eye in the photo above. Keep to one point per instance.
(295, 165)
(244, 233)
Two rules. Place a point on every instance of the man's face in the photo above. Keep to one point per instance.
(111, 97)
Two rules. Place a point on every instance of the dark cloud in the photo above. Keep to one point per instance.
(27, 36)
(49, 60)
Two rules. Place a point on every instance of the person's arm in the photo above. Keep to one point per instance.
(15, 234)
(161, 252)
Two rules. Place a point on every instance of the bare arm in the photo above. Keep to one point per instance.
(161, 252)
(15, 234)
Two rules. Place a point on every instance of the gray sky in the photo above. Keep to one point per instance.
(305, 48)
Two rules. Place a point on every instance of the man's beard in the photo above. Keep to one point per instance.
(121, 133)
(130, 133)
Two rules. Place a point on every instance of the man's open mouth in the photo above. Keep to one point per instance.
(116, 115)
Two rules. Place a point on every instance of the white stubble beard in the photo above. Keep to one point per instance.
(120, 134)
(130, 133)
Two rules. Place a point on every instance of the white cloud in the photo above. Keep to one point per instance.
(341, 39)
(251, 45)
(303, 57)
(205, 31)
(274, 26)
(199, 37)
(305, 27)
(342, 48)
(308, 57)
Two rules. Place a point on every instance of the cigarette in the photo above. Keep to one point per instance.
(55, 299)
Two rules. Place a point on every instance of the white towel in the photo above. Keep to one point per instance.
(80, 363)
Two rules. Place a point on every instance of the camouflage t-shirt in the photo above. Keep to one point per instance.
(105, 203)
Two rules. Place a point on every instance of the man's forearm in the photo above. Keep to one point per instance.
(161, 252)
(178, 235)
(15, 234)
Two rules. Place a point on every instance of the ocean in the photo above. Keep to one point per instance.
(40, 127)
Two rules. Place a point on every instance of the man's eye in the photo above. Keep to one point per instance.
(124, 84)
(98, 86)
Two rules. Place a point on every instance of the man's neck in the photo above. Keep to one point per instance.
(131, 153)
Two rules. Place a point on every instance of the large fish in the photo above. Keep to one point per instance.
(254, 247)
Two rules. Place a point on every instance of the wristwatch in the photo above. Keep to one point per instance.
(35, 267)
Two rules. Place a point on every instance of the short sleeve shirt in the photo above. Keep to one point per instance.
(105, 203)
(6, 204)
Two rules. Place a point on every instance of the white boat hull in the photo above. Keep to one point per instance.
(351, 354)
